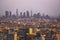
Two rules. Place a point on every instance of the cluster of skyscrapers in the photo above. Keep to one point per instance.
(26, 14)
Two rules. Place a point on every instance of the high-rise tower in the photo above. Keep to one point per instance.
(24, 15)
(10, 13)
(31, 13)
(20, 14)
(27, 13)
(16, 12)
(6, 13)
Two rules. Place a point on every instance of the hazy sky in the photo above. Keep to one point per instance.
(51, 7)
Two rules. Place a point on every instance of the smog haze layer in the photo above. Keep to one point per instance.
(50, 7)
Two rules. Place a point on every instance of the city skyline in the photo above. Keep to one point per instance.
(26, 14)
(50, 7)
